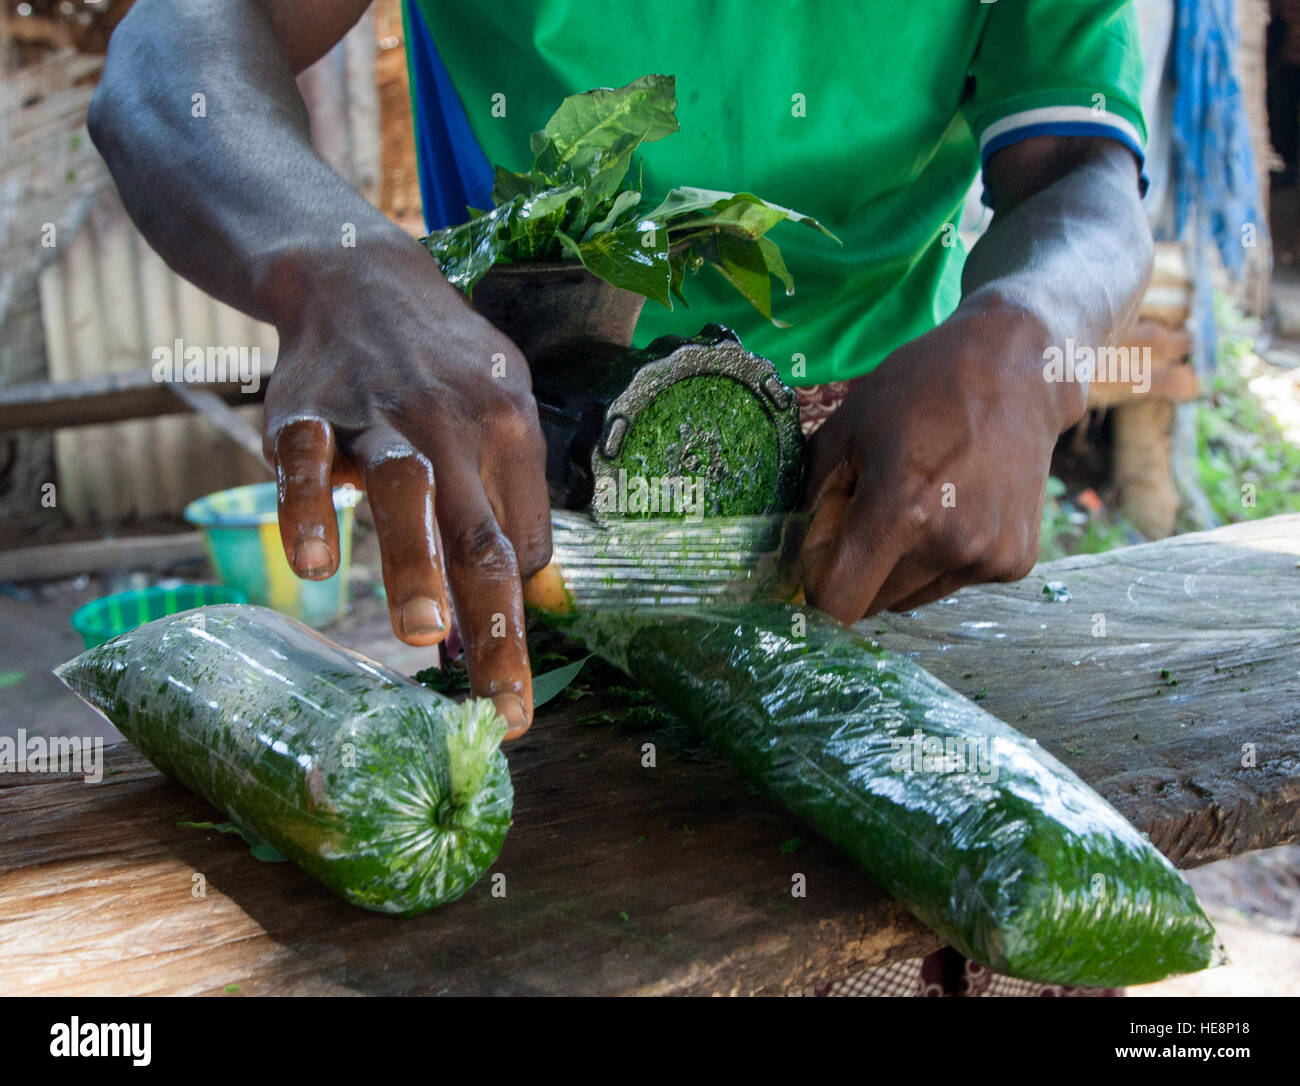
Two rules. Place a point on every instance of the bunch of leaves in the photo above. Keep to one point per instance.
(577, 202)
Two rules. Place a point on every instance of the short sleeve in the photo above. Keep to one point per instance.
(1057, 68)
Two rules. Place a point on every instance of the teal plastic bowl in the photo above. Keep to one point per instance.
(103, 619)
(242, 531)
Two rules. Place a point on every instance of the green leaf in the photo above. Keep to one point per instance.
(682, 261)
(445, 680)
(509, 184)
(576, 203)
(625, 200)
(569, 246)
(550, 683)
(607, 169)
(547, 202)
(600, 118)
(776, 263)
(260, 849)
(523, 229)
(633, 257)
(740, 210)
(683, 201)
(466, 252)
(743, 214)
(742, 263)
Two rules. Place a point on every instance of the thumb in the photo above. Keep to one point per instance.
(849, 550)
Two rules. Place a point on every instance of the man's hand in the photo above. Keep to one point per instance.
(388, 380)
(932, 473)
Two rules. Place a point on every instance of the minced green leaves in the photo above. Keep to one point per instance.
(577, 203)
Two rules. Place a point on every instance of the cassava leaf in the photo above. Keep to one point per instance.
(691, 208)
(622, 203)
(576, 203)
(742, 214)
(603, 117)
(509, 184)
(776, 263)
(741, 263)
(682, 261)
(608, 168)
(633, 257)
(550, 683)
(465, 252)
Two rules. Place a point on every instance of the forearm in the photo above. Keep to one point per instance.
(234, 198)
(1074, 257)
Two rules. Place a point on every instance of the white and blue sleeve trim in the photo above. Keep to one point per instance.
(1085, 121)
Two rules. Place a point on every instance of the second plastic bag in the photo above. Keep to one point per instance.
(987, 838)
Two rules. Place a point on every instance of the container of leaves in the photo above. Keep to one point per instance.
(573, 247)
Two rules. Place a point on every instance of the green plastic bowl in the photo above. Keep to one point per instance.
(103, 619)
(242, 531)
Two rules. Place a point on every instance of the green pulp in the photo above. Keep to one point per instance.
(713, 429)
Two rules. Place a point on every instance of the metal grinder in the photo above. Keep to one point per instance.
(687, 427)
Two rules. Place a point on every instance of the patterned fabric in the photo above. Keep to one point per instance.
(947, 973)
(816, 402)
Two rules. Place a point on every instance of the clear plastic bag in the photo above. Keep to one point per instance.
(390, 794)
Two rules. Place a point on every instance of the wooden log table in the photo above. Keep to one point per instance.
(1170, 680)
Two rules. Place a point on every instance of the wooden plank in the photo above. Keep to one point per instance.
(1219, 611)
(107, 397)
(67, 559)
(98, 880)
(213, 408)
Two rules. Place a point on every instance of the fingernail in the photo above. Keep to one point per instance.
(312, 558)
(511, 709)
(421, 616)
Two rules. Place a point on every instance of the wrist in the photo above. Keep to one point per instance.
(1022, 342)
(333, 270)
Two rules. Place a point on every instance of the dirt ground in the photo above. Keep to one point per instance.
(1254, 901)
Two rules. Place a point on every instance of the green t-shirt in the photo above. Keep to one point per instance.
(870, 116)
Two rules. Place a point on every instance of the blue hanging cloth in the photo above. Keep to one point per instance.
(454, 171)
(1216, 183)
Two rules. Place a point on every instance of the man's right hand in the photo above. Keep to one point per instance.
(388, 379)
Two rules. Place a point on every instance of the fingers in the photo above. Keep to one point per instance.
(850, 549)
(943, 585)
(400, 486)
(912, 575)
(519, 495)
(485, 582)
(303, 455)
